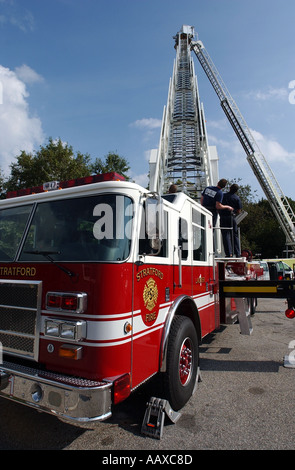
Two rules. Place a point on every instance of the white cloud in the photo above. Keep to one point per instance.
(220, 124)
(16, 15)
(269, 94)
(18, 129)
(141, 179)
(229, 150)
(233, 161)
(28, 75)
(147, 123)
(273, 151)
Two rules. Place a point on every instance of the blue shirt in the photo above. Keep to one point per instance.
(233, 200)
(211, 195)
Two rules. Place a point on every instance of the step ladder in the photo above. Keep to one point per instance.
(244, 316)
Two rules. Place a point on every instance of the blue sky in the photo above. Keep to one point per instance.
(96, 73)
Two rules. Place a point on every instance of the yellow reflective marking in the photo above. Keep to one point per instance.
(271, 289)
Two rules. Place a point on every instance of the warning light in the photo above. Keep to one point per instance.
(63, 301)
(54, 185)
(290, 313)
(50, 185)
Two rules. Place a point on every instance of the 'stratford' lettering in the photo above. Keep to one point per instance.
(17, 271)
(149, 272)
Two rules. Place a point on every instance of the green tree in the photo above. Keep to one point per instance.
(260, 231)
(54, 161)
(112, 162)
(245, 192)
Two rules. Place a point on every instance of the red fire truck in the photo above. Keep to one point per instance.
(102, 286)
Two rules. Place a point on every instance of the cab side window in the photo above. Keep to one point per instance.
(146, 245)
(199, 236)
(183, 237)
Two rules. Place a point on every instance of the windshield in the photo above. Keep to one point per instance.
(95, 228)
(12, 225)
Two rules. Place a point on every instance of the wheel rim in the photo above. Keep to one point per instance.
(185, 361)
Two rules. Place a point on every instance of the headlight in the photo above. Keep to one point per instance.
(51, 328)
(71, 330)
(68, 330)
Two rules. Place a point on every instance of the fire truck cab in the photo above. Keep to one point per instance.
(102, 286)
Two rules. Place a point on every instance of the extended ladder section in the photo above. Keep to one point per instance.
(183, 155)
(259, 165)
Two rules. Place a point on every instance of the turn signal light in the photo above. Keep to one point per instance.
(70, 351)
(290, 313)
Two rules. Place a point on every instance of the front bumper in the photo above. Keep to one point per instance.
(68, 397)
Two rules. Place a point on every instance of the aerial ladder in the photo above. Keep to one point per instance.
(183, 156)
(278, 202)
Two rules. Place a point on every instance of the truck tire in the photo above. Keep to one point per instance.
(182, 362)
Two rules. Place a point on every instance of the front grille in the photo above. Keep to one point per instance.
(19, 315)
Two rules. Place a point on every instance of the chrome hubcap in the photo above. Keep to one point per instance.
(185, 361)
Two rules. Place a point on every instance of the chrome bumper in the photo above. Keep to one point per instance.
(69, 398)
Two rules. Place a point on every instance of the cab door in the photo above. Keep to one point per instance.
(151, 280)
(203, 278)
(182, 266)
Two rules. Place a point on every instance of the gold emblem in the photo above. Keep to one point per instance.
(150, 294)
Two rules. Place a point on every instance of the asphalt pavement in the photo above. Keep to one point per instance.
(245, 401)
